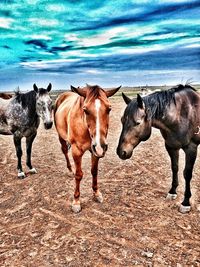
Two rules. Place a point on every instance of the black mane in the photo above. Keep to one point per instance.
(27, 100)
(158, 102)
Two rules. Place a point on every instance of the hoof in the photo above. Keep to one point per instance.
(76, 206)
(21, 175)
(171, 196)
(184, 209)
(32, 171)
(98, 197)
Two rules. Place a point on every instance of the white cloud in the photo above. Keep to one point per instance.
(38, 36)
(55, 7)
(141, 50)
(47, 64)
(76, 53)
(6, 23)
(192, 46)
(93, 71)
(71, 37)
(102, 38)
(44, 22)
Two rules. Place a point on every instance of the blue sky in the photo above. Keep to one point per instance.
(105, 42)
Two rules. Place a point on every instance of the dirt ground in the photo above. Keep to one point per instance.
(134, 226)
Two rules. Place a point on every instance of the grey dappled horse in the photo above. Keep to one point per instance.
(20, 117)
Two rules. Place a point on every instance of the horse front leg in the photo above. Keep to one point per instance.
(77, 156)
(94, 171)
(18, 147)
(29, 142)
(174, 156)
(190, 158)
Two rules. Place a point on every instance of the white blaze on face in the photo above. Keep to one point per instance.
(97, 106)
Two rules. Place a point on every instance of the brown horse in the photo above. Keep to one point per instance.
(82, 119)
(5, 96)
(176, 113)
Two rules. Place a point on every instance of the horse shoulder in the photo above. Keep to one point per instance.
(62, 114)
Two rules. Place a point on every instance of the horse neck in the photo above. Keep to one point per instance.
(159, 112)
(76, 112)
(29, 102)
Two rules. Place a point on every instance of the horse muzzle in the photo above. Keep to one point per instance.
(48, 125)
(123, 154)
(99, 150)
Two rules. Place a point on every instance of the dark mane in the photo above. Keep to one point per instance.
(27, 100)
(158, 102)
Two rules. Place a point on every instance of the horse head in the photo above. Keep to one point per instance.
(136, 126)
(44, 105)
(96, 108)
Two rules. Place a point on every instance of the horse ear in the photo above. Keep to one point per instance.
(35, 88)
(140, 102)
(49, 87)
(127, 100)
(111, 92)
(79, 91)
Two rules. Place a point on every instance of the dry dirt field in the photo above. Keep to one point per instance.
(134, 226)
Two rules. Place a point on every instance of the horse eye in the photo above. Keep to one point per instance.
(137, 123)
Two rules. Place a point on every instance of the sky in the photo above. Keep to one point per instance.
(104, 42)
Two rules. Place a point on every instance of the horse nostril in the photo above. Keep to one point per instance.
(94, 148)
(123, 154)
(48, 125)
(105, 147)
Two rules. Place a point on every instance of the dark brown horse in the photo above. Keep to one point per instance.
(176, 113)
(82, 119)
(5, 96)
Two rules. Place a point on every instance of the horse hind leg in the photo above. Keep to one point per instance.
(29, 142)
(190, 158)
(17, 142)
(174, 156)
(65, 146)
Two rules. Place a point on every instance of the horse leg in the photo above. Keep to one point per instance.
(29, 142)
(94, 171)
(65, 149)
(18, 147)
(174, 156)
(190, 157)
(77, 156)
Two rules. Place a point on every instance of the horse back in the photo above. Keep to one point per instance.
(183, 119)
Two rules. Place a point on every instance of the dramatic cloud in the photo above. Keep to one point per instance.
(101, 41)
